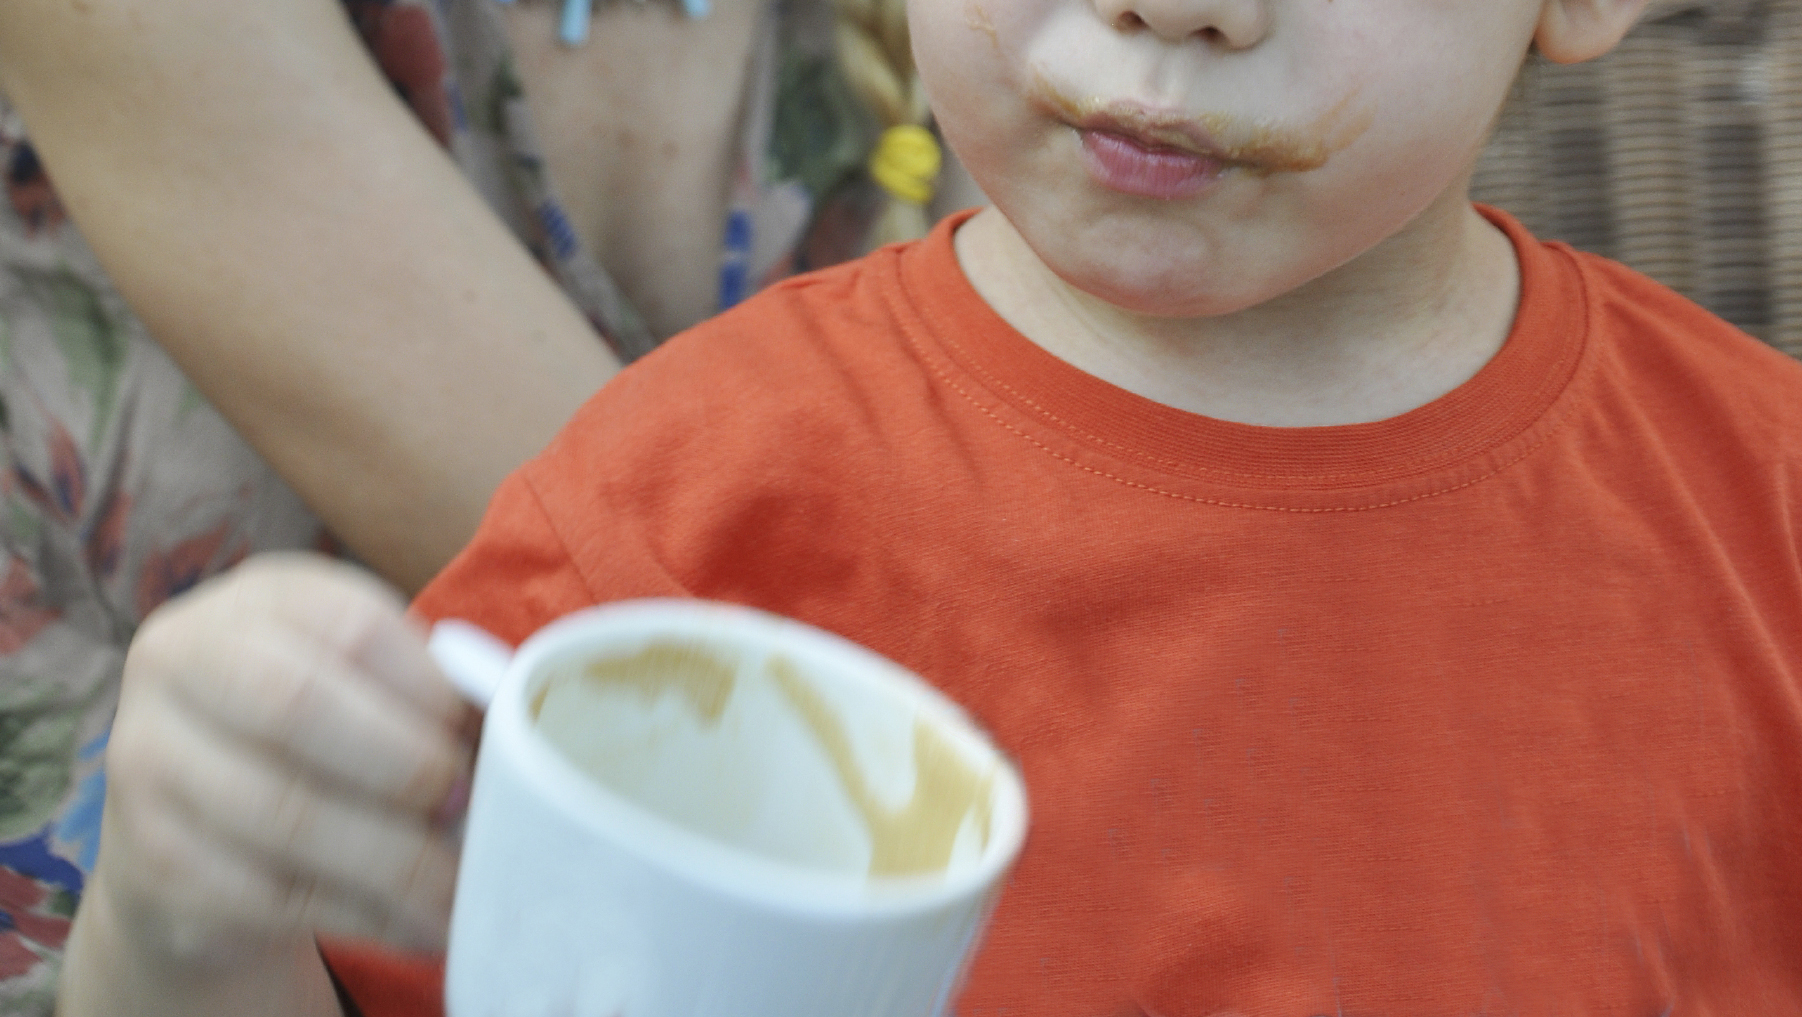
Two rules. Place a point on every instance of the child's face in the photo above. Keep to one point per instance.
(1198, 157)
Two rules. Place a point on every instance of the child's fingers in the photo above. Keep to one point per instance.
(320, 843)
(283, 726)
(235, 653)
(287, 693)
(351, 613)
(234, 903)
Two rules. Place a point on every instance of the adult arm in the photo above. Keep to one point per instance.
(306, 253)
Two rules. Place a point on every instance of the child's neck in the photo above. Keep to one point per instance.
(1392, 330)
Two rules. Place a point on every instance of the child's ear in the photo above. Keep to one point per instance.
(1571, 31)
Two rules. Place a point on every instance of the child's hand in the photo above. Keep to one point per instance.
(284, 762)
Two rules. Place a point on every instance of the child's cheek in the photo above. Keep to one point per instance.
(975, 35)
(978, 19)
(967, 55)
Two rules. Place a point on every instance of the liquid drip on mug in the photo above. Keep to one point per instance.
(684, 777)
(917, 837)
(696, 674)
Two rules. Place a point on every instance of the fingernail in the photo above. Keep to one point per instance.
(454, 804)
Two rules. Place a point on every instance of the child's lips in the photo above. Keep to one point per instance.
(1260, 147)
(1134, 165)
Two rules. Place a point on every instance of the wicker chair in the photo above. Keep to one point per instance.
(1671, 154)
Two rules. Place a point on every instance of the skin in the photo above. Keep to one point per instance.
(669, 149)
(229, 164)
(644, 172)
(284, 753)
(231, 192)
(284, 762)
(392, 384)
(1335, 273)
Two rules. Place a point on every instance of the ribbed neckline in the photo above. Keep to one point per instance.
(1499, 404)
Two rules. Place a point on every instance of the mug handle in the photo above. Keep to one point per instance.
(474, 659)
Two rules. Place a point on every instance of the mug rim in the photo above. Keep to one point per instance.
(736, 872)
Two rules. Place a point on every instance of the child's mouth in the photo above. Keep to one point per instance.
(1148, 170)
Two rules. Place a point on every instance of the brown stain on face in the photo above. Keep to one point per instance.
(702, 678)
(1261, 146)
(1344, 123)
(977, 19)
(918, 837)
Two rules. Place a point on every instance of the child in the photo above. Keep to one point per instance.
(1392, 614)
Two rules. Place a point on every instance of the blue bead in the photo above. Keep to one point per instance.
(573, 29)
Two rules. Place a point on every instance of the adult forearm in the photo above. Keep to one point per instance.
(305, 253)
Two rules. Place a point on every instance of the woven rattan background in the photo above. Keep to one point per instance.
(1679, 154)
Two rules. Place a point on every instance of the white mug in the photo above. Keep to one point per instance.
(689, 809)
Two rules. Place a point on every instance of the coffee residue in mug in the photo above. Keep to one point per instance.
(702, 678)
(918, 837)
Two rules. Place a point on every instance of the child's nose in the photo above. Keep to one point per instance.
(1230, 24)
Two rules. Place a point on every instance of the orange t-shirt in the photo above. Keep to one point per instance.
(1492, 707)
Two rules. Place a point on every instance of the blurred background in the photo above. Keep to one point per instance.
(1679, 154)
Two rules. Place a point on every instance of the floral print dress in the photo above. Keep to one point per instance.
(122, 487)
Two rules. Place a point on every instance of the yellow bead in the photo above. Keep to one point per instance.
(906, 162)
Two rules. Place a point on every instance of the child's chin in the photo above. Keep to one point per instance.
(1176, 280)
(1167, 297)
